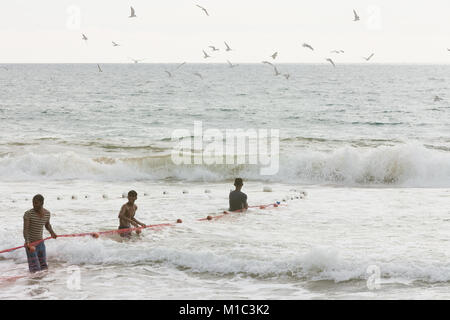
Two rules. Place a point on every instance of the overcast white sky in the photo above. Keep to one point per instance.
(397, 31)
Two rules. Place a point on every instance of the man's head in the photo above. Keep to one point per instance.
(238, 183)
(132, 196)
(38, 202)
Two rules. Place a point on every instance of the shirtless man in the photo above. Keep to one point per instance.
(126, 215)
(238, 199)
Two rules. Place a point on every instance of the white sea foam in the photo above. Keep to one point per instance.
(318, 263)
(402, 165)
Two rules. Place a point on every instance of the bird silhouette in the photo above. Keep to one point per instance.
(331, 61)
(369, 57)
(231, 65)
(307, 46)
(136, 60)
(277, 73)
(267, 62)
(133, 13)
(180, 65)
(203, 9)
(198, 75)
(228, 47)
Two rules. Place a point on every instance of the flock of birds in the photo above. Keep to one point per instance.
(227, 48)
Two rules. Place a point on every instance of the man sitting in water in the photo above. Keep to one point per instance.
(126, 215)
(33, 222)
(238, 199)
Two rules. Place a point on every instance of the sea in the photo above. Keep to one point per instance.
(362, 176)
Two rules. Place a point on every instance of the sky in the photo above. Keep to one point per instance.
(50, 31)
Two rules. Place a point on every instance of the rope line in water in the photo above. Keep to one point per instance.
(119, 231)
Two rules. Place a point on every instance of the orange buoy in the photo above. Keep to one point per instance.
(275, 205)
(261, 207)
(225, 212)
(95, 235)
(208, 218)
(179, 221)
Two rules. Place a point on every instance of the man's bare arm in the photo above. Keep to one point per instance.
(138, 222)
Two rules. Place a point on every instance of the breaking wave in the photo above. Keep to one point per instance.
(402, 165)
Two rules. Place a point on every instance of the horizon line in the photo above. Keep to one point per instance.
(237, 62)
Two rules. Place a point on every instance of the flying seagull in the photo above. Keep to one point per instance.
(137, 61)
(115, 44)
(228, 47)
(180, 65)
(287, 75)
(307, 46)
(267, 62)
(84, 37)
(99, 69)
(203, 9)
(231, 65)
(168, 73)
(198, 75)
(274, 55)
(369, 57)
(132, 15)
(277, 73)
(213, 48)
(206, 55)
(356, 16)
(331, 61)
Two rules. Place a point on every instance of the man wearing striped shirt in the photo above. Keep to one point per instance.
(33, 222)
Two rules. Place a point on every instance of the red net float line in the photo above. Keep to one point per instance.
(93, 234)
(209, 218)
(118, 231)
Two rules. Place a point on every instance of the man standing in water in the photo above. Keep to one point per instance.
(238, 199)
(126, 215)
(33, 222)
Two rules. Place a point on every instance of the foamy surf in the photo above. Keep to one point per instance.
(409, 165)
(315, 264)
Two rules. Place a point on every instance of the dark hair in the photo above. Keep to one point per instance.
(132, 193)
(39, 198)
(238, 182)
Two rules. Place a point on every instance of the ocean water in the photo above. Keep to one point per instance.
(369, 144)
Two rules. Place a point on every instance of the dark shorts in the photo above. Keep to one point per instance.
(125, 234)
(37, 260)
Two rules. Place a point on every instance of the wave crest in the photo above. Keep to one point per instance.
(401, 165)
